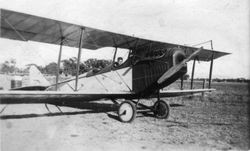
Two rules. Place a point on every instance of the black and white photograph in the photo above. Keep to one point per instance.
(124, 75)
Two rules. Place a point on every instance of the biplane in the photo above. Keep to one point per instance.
(150, 66)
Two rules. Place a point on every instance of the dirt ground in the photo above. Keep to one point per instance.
(217, 121)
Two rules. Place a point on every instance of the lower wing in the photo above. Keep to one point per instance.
(25, 97)
(174, 93)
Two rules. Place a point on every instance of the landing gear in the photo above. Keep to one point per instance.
(161, 109)
(127, 111)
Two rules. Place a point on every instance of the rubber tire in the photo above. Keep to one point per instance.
(133, 110)
(161, 109)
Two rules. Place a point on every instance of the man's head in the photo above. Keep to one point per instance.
(120, 60)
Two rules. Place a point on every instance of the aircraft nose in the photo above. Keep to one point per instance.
(178, 56)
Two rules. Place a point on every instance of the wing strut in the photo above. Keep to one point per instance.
(211, 66)
(79, 58)
(192, 77)
(181, 82)
(58, 62)
(113, 61)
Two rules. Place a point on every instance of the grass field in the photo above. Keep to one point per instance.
(223, 114)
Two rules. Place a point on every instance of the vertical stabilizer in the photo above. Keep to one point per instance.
(35, 78)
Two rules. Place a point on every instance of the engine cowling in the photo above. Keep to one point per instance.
(178, 56)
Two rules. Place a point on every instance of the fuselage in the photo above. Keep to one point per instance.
(138, 74)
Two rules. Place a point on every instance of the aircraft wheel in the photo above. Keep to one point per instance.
(127, 111)
(161, 109)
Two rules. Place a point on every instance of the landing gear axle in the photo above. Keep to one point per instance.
(128, 109)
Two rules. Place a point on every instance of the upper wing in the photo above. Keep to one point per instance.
(24, 27)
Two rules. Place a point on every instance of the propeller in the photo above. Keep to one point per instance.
(177, 67)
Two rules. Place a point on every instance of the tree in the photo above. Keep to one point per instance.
(9, 66)
(69, 65)
(94, 63)
(51, 68)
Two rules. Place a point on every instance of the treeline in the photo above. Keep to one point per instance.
(67, 66)
(9, 66)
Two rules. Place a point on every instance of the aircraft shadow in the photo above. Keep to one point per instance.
(176, 105)
(91, 107)
(5, 117)
(95, 106)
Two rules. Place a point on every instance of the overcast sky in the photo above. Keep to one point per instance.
(226, 22)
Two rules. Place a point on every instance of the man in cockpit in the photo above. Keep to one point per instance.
(119, 60)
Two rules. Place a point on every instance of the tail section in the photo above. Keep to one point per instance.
(35, 78)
